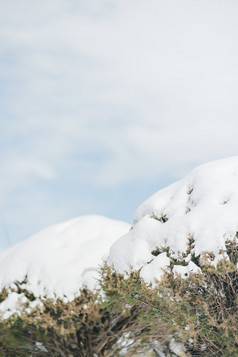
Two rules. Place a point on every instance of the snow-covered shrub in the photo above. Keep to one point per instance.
(198, 307)
(198, 310)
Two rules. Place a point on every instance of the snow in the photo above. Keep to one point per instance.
(156, 268)
(16, 303)
(59, 260)
(12, 304)
(184, 271)
(202, 206)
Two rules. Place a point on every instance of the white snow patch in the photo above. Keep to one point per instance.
(14, 303)
(154, 270)
(184, 271)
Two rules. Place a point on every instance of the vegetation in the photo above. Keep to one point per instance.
(127, 315)
(201, 311)
(83, 327)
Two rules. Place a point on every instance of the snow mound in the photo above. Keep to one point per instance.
(201, 208)
(59, 260)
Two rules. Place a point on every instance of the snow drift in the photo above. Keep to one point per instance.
(62, 258)
(202, 207)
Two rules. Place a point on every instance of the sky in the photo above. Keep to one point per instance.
(104, 102)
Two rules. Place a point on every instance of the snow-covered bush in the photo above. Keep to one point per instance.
(198, 308)
(49, 303)
(183, 236)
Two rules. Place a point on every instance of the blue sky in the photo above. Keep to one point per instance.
(102, 103)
